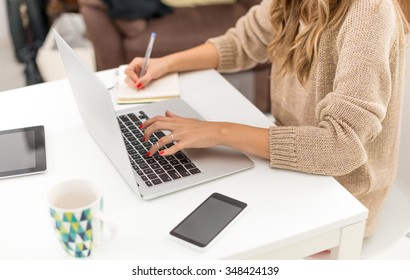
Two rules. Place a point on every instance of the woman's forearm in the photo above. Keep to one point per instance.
(201, 57)
(252, 140)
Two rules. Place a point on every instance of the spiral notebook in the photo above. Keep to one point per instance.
(157, 90)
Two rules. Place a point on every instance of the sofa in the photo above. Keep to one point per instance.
(117, 41)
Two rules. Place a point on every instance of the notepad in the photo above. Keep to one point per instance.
(157, 90)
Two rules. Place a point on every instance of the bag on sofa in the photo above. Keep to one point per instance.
(126, 9)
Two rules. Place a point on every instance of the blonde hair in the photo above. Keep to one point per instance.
(293, 47)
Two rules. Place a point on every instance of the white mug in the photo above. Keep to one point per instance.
(76, 208)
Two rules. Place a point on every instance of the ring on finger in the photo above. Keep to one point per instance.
(172, 137)
(158, 145)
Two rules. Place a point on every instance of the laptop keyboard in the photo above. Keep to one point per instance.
(156, 169)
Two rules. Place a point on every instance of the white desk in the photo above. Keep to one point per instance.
(290, 215)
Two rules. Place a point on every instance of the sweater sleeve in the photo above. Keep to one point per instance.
(245, 45)
(351, 115)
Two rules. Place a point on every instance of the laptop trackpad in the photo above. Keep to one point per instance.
(219, 160)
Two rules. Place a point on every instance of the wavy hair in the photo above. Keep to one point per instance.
(293, 47)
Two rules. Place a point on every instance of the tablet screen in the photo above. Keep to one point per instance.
(22, 151)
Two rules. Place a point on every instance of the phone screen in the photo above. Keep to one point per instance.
(208, 219)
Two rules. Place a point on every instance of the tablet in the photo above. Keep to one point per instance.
(22, 151)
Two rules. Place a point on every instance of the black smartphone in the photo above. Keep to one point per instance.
(208, 220)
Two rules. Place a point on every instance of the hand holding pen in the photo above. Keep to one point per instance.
(146, 58)
(140, 74)
(138, 67)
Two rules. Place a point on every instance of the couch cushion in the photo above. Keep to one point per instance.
(193, 3)
(55, 8)
(184, 28)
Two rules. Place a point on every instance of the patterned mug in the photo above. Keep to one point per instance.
(76, 208)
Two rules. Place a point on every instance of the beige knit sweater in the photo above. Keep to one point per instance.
(345, 121)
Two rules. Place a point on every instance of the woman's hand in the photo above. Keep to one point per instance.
(201, 57)
(185, 133)
(193, 133)
(156, 68)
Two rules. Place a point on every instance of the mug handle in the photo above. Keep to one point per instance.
(107, 229)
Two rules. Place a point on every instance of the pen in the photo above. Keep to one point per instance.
(147, 54)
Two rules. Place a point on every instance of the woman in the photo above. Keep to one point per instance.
(336, 86)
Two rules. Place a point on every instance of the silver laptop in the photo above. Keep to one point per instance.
(118, 135)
